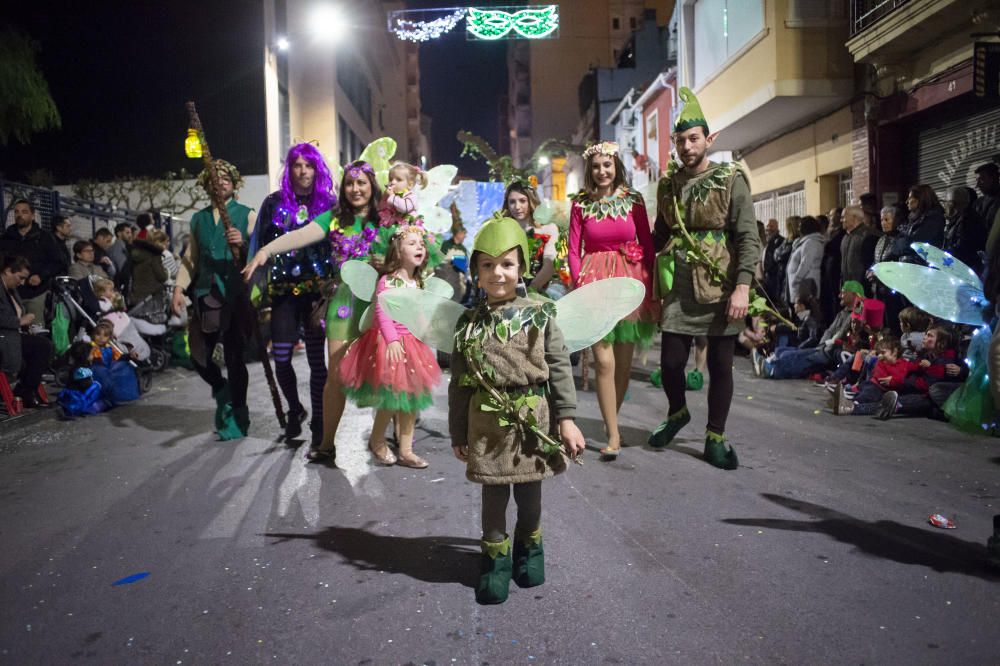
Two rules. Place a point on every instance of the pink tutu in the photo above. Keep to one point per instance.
(600, 265)
(371, 380)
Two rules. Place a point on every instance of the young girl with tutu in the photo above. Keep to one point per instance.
(387, 368)
(399, 206)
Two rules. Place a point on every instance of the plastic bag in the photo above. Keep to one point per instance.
(970, 408)
(60, 329)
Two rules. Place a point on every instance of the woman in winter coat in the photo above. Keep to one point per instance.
(148, 272)
(806, 258)
(926, 223)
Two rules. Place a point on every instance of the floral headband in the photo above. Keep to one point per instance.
(409, 229)
(602, 148)
(530, 182)
(355, 170)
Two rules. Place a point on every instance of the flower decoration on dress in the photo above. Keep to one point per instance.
(632, 251)
(344, 311)
(355, 171)
(603, 148)
(346, 247)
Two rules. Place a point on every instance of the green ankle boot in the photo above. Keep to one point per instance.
(494, 572)
(666, 431)
(236, 423)
(529, 559)
(716, 453)
(223, 408)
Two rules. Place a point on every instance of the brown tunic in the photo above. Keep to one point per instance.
(532, 357)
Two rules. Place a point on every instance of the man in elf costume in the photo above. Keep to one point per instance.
(708, 248)
(222, 309)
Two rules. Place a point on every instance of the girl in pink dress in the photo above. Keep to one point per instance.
(609, 236)
(399, 206)
(387, 368)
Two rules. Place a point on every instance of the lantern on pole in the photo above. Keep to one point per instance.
(192, 144)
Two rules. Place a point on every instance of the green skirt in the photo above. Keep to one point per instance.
(343, 315)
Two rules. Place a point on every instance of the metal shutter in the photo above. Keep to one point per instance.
(948, 153)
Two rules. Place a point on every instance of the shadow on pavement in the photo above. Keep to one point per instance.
(884, 538)
(433, 559)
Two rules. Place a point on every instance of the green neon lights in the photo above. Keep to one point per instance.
(531, 23)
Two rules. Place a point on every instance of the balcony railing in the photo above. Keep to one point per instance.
(866, 13)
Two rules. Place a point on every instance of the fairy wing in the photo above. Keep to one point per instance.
(934, 291)
(379, 153)
(436, 218)
(946, 263)
(430, 317)
(439, 287)
(553, 212)
(360, 277)
(648, 192)
(588, 313)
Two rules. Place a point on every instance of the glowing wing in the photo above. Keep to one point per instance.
(588, 313)
(439, 287)
(648, 192)
(367, 318)
(379, 154)
(430, 317)
(436, 218)
(934, 291)
(553, 212)
(360, 277)
(946, 263)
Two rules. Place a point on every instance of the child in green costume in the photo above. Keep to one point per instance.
(509, 349)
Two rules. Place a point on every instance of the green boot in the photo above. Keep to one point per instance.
(236, 423)
(223, 408)
(717, 454)
(529, 559)
(666, 431)
(494, 572)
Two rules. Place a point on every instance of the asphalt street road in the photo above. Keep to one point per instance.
(816, 551)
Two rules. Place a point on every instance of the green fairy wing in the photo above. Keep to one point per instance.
(935, 292)
(430, 317)
(588, 313)
(436, 219)
(439, 287)
(367, 318)
(379, 154)
(360, 277)
(946, 263)
(648, 192)
(552, 212)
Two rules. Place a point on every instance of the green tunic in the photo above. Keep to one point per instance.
(718, 212)
(531, 360)
(215, 258)
(343, 314)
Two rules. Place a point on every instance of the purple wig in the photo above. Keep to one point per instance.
(323, 198)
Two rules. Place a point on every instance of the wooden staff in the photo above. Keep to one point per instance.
(194, 122)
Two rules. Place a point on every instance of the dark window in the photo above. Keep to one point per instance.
(631, 22)
(352, 81)
(616, 23)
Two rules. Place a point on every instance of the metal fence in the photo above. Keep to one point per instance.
(780, 205)
(865, 13)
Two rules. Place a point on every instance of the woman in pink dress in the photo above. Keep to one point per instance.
(609, 236)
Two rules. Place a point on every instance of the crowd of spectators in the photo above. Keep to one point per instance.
(124, 280)
(870, 348)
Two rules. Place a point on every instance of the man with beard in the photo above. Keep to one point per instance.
(294, 280)
(27, 239)
(704, 275)
(222, 310)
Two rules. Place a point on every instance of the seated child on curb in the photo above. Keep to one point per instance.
(939, 372)
(82, 395)
(111, 369)
(127, 329)
(913, 322)
(889, 373)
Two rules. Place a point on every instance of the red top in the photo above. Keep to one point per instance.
(896, 372)
(607, 235)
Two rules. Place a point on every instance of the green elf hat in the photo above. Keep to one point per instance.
(854, 287)
(691, 115)
(498, 235)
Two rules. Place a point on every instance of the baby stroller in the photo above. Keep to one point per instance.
(85, 311)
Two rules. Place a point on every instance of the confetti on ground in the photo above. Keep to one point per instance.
(817, 411)
(749, 397)
(131, 579)
(438, 480)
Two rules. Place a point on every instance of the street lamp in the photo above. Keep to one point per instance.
(282, 43)
(329, 21)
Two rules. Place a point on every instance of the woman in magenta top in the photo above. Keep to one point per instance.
(609, 236)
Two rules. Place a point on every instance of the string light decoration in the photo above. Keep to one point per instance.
(423, 31)
(490, 24)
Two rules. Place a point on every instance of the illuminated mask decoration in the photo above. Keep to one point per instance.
(530, 23)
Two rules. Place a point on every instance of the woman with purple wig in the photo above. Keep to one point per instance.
(294, 278)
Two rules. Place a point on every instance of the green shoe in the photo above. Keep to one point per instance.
(666, 431)
(236, 423)
(717, 454)
(494, 572)
(529, 559)
(223, 408)
(694, 381)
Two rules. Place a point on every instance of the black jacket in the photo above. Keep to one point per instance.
(964, 236)
(41, 250)
(10, 337)
(857, 252)
(926, 227)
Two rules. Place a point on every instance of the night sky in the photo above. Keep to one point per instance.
(121, 72)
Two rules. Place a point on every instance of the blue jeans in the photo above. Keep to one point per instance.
(792, 363)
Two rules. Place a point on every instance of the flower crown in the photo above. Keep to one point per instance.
(529, 182)
(355, 170)
(602, 148)
(409, 229)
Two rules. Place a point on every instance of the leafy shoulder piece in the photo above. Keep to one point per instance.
(588, 313)
(360, 277)
(439, 179)
(935, 291)
(439, 287)
(379, 153)
(946, 263)
(430, 317)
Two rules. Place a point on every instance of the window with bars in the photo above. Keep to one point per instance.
(845, 189)
(780, 205)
